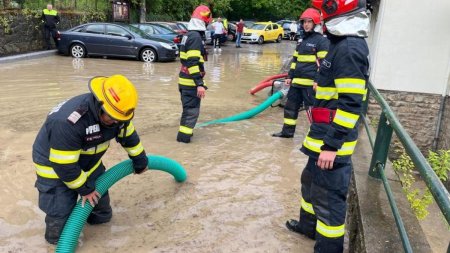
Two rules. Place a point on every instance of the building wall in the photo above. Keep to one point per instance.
(417, 112)
(410, 45)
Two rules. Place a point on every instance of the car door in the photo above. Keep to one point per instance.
(269, 32)
(94, 38)
(120, 41)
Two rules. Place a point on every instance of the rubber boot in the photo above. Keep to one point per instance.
(102, 212)
(294, 226)
(53, 229)
(282, 135)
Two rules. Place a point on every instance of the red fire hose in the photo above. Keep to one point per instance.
(267, 82)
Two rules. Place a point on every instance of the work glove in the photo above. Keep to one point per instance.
(140, 165)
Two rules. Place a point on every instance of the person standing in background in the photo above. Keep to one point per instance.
(239, 32)
(293, 28)
(219, 31)
(50, 19)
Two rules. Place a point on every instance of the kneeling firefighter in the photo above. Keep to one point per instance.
(333, 134)
(303, 71)
(68, 149)
(190, 83)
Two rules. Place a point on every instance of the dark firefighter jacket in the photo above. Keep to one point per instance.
(307, 57)
(342, 86)
(72, 141)
(192, 55)
(50, 18)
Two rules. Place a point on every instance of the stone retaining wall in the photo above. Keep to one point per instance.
(24, 33)
(417, 112)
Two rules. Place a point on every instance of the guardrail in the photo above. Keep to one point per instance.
(389, 123)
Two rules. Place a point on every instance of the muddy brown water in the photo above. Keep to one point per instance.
(242, 184)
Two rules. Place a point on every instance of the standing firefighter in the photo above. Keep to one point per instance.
(50, 19)
(68, 149)
(190, 83)
(332, 136)
(303, 73)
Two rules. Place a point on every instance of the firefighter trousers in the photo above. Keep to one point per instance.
(189, 116)
(57, 202)
(323, 205)
(296, 97)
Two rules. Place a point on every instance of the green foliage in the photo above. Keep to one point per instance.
(90, 15)
(5, 22)
(419, 201)
(31, 13)
(440, 162)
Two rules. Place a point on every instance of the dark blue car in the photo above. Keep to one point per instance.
(117, 40)
(160, 31)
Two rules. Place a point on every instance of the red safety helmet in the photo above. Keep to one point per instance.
(333, 8)
(311, 13)
(202, 12)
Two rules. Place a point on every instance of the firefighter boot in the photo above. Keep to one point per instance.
(282, 135)
(182, 137)
(53, 229)
(294, 226)
(102, 212)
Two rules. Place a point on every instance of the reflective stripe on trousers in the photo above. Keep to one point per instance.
(191, 111)
(295, 99)
(326, 191)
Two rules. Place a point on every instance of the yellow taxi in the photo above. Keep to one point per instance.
(263, 31)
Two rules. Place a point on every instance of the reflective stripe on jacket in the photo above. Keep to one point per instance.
(342, 87)
(50, 18)
(192, 54)
(307, 55)
(72, 141)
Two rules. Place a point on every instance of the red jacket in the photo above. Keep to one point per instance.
(240, 27)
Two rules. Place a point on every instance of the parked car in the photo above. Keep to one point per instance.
(160, 31)
(115, 39)
(178, 28)
(287, 30)
(263, 31)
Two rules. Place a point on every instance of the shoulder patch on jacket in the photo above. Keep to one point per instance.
(76, 115)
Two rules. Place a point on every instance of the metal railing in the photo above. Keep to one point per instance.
(387, 124)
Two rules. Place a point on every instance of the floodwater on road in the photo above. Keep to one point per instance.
(242, 183)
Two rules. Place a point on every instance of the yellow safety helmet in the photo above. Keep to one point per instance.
(117, 96)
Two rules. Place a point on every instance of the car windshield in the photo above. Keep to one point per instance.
(258, 27)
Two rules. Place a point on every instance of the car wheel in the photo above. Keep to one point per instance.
(260, 40)
(77, 50)
(148, 55)
(279, 38)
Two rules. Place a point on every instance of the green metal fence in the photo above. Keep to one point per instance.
(388, 124)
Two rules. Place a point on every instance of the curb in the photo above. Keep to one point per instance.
(27, 56)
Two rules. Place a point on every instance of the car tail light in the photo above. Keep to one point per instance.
(176, 40)
(58, 35)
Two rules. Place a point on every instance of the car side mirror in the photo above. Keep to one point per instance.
(128, 36)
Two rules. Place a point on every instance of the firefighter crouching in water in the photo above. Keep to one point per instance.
(68, 149)
(190, 83)
(303, 72)
(333, 133)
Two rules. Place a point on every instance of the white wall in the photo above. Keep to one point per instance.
(410, 46)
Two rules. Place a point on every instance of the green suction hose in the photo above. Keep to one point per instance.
(69, 237)
(247, 114)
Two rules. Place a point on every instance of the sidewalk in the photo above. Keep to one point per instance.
(27, 56)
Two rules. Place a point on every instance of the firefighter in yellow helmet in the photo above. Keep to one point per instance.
(190, 83)
(68, 149)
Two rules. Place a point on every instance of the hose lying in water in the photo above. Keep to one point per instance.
(250, 113)
(69, 237)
